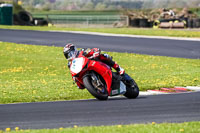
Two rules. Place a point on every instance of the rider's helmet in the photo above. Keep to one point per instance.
(70, 51)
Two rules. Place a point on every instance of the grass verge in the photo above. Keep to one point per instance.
(30, 73)
(187, 127)
(129, 31)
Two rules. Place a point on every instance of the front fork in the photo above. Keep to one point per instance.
(96, 82)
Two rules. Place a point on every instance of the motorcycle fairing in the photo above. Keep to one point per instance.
(77, 65)
(104, 70)
(118, 87)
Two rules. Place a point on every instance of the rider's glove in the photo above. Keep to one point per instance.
(121, 71)
(96, 54)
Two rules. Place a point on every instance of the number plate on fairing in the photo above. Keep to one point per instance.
(120, 90)
(77, 65)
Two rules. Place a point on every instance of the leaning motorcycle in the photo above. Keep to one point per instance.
(99, 79)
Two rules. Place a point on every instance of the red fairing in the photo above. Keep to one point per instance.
(85, 60)
(78, 77)
(92, 65)
(104, 71)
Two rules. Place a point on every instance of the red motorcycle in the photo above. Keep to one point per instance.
(99, 79)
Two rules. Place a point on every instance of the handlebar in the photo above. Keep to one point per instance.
(91, 57)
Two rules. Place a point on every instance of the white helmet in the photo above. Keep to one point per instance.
(70, 51)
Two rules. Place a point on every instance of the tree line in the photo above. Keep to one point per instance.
(107, 4)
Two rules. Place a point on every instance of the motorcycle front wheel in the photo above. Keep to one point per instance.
(100, 92)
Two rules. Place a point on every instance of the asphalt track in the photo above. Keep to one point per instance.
(160, 108)
(149, 46)
(145, 109)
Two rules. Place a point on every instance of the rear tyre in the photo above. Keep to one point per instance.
(100, 95)
(132, 89)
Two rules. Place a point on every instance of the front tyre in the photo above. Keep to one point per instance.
(100, 92)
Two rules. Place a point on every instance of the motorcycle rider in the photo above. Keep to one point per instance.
(70, 51)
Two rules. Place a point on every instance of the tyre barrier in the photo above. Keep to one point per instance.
(25, 18)
(16, 20)
(151, 24)
(167, 20)
(165, 23)
(170, 23)
(178, 25)
(40, 22)
(21, 19)
(196, 23)
(142, 23)
(156, 24)
(193, 23)
(190, 23)
(185, 21)
(134, 22)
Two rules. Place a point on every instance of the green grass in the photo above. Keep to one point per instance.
(30, 73)
(129, 31)
(187, 127)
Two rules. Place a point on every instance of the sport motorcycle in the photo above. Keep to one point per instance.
(100, 80)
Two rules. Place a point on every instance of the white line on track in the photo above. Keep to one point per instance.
(133, 36)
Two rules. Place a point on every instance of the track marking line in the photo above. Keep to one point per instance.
(133, 36)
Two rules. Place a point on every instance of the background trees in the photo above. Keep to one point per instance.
(107, 4)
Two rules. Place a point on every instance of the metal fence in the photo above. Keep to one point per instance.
(82, 19)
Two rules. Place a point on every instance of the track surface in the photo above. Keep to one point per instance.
(160, 108)
(163, 47)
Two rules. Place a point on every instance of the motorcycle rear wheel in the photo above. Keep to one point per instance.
(132, 89)
(87, 80)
